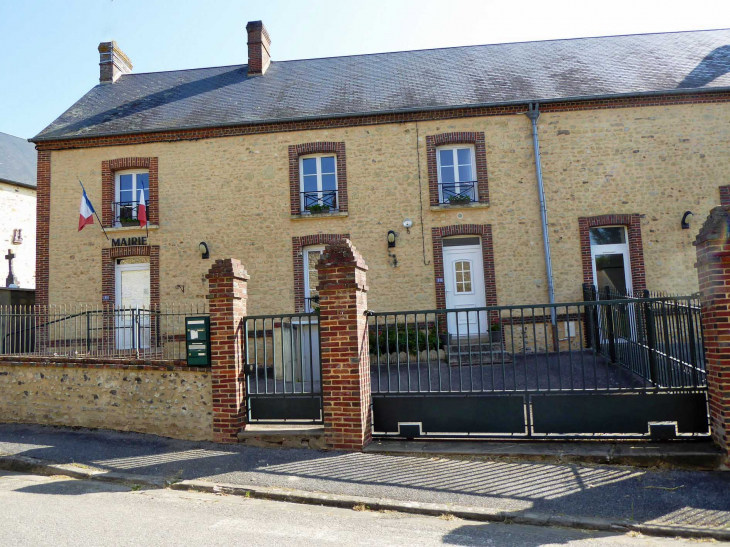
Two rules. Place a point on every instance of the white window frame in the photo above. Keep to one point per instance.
(307, 292)
(135, 192)
(319, 190)
(453, 148)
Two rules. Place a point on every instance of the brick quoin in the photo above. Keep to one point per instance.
(713, 269)
(109, 167)
(298, 245)
(228, 294)
(343, 326)
(636, 246)
(480, 159)
(725, 195)
(298, 150)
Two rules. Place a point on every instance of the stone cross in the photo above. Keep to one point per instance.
(10, 280)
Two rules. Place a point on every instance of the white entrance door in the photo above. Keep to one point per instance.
(610, 259)
(133, 306)
(464, 286)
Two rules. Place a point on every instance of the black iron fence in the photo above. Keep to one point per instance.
(283, 367)
(455, 193)
(608, 367)
(157, 332)
(319, 202)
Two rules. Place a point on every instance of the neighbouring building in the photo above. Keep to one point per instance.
(269, 161)
(17, 215)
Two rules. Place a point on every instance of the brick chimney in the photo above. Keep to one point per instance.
(112, 62)
(259, 44)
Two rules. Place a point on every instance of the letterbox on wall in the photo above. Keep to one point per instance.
(197, 341)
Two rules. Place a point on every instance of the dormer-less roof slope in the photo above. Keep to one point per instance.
(403, 81)
(17, 161)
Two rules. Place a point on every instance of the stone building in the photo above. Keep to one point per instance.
(17, 213)
(425, 159)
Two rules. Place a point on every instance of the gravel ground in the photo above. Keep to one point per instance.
(689, 498)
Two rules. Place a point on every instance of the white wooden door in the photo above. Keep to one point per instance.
(133, 306)
(464, 286)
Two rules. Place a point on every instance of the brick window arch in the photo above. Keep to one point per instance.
(298, 150)
(109, 168)
(483, 230)
(480, 159)
(298, 245)
(636, 247)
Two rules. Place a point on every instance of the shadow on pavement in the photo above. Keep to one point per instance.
(688, 498)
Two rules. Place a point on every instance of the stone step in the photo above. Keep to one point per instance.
(464, 347)
(476, 358)
(283, 436)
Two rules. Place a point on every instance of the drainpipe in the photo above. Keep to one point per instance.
(533, 113)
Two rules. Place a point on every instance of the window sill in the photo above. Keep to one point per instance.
(312, 216)
(132, 228)
(449, 206)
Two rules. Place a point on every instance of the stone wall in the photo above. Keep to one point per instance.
(17, 205)
(234, 193)
(163, 400)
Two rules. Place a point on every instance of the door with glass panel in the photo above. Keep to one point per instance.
(132, 313)
(612, 270)
(457, 174)
(464, 286)
(318, 184)
(306, 329)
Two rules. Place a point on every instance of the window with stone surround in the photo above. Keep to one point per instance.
(453, 158)
(121, 182)
(317, 178)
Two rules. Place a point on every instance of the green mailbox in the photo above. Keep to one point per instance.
(197, 340)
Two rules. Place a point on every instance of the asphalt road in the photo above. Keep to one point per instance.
(58, 511)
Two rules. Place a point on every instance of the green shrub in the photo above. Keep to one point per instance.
(390, 339)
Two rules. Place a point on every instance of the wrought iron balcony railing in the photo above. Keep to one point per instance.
(456, 193)
(319, 202)
(125, 212)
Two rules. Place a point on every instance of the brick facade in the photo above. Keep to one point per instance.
(109, 168)
(228, 295)
(343, 326)
(636, 246)
(298, 150)
(298, 245)
(713, 268)
(483, 230)
(480, 160)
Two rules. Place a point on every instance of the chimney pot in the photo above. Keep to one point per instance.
(112, 62)
(259, 45)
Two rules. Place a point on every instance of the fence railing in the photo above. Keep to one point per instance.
(319, 201)
(455, 193)
(598, 344)
(157, 332)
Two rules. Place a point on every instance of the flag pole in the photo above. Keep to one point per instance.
(97, 214)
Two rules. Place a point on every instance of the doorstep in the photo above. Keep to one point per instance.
(687, 455)
(283, 436)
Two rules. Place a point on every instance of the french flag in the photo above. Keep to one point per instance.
(86, 213)
(142, 210)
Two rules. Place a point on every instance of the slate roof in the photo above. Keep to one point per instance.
(402, 81)
(18, 160)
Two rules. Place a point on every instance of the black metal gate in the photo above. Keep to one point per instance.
(602, 368)
(283, 368)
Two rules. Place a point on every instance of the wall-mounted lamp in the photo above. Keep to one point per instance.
(203, 246)
(685, 224)
(391, 239)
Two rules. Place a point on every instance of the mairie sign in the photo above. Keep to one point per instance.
(129, 241)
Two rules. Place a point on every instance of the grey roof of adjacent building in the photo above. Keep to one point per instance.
(555, 70)
(18, 160)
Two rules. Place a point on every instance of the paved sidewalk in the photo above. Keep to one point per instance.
(679, 498)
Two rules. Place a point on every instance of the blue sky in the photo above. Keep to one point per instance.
(48, 56)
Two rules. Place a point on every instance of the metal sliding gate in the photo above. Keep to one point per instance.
(603, 368)
(283, 368)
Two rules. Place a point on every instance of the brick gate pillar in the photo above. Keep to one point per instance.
(713, 268)
(344, 346)
(227, 292)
